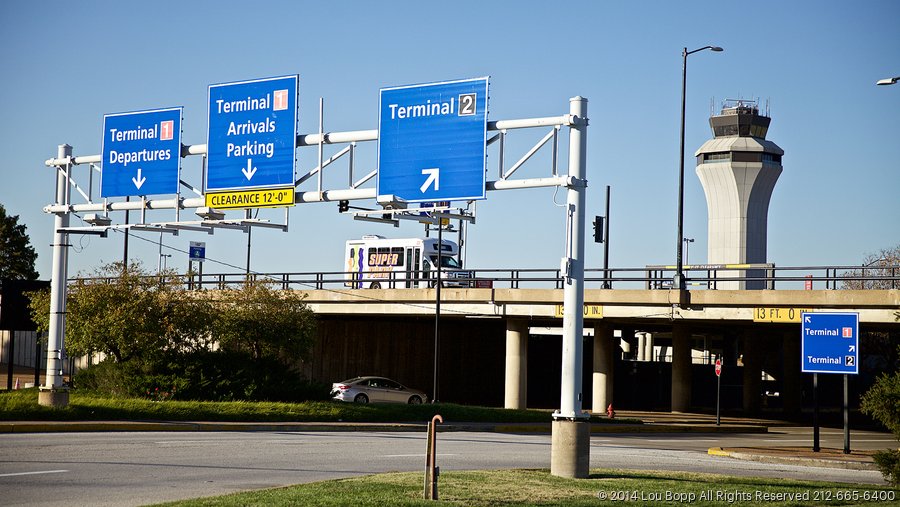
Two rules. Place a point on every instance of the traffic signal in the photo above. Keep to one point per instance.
(343, 206)
(598, 229)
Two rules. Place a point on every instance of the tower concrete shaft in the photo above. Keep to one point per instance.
(738, 169)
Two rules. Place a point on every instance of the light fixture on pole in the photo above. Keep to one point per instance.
(888, 81)
(687, 242)
(678, 281)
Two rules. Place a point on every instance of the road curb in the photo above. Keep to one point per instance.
(544, 428)
(792, 460)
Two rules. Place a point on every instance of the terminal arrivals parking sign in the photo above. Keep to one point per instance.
(141, 153)
(252, 134)
(432, 141)
(830, 343)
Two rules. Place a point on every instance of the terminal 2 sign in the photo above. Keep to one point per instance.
(830, 343)
(432, 141)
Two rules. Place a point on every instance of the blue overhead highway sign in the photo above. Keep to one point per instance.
(141, 153)
(432, 141)
(830, 342)
(252, 134)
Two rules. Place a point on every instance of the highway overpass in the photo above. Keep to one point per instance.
(497, 346)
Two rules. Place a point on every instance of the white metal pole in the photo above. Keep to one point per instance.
(57, 329)
(573, 290)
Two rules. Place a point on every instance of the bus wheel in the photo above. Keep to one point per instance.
(375, 285)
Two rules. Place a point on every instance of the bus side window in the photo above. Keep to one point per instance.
(410, 268)
(423, 262)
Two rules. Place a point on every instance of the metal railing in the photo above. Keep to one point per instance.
(769, 277)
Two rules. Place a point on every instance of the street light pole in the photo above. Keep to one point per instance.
(678, 282)
(687, 249)
(888, 81)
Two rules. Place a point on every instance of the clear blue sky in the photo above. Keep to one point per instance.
(66, 64)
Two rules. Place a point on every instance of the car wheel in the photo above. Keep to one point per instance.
(375, 285)
(361, 398)
(415, 400)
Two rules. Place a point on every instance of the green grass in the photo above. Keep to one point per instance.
(537, 487)
(22, 405)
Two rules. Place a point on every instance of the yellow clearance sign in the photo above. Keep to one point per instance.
(767, 314)
(590, 311)
(269, 198)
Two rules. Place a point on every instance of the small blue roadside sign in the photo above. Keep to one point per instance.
(252, 134)
(197, 251)
(830, 342)
(432, 141)
(141, 153)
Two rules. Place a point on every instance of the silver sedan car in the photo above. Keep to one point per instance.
(376, 390)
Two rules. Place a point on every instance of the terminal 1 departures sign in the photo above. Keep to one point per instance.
(432, 141)
(830, 343)
(251, 140)
(141, 153)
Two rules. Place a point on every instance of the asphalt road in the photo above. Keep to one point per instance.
(145, 467)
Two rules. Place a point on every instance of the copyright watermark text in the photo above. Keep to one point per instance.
(727, 496)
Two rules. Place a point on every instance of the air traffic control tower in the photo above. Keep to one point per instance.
(738, 169)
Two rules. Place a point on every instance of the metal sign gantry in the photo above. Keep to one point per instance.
(98, 215)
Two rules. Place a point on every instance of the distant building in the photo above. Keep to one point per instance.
(738, 169)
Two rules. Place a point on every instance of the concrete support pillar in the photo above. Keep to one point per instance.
(516, 390)
(681, 368)
(632, 350)
(570, 450)
(604, 357)
(648, 346)
(791, 387)
(752, 360)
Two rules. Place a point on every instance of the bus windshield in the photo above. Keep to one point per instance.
(446, 261)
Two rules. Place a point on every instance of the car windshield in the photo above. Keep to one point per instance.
(446, 262)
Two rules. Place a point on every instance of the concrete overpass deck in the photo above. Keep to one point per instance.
(875, 307)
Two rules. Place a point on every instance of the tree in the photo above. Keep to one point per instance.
(265, 322)
(221, 345)
(884, 264)
(129, 315)
(17, 256)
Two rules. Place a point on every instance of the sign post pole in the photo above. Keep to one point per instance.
(718, 390)
(570, 439)
(846, 415)
(437, 315)
(53, 393)
(815, 412)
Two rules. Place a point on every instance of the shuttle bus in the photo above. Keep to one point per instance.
(375, 262)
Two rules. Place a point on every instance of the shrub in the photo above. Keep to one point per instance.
(202, 376)
(882, 402)
(127, 379)
(888, 461)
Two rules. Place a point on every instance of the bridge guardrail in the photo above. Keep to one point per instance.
(766, 277)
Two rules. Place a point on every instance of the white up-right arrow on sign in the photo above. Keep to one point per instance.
(434, 175)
